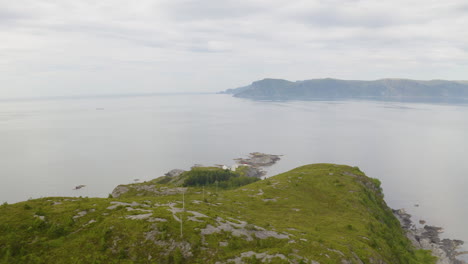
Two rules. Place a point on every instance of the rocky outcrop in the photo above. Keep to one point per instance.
(149, 188)
(257, 159)
(119, 190)
(174, 173)
(254, 172)
(240, 228)
(428, 238)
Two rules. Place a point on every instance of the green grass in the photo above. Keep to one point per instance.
(208, 177)
(330, 212)
(224, 179)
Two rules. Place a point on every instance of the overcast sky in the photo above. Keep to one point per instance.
(74, 47)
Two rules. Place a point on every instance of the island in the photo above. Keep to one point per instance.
(318, 213)
(335, 89)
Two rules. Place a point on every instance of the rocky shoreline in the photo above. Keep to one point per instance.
(428, 238)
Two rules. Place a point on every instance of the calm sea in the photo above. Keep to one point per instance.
(419, 151)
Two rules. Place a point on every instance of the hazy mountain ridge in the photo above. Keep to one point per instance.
(383, 89)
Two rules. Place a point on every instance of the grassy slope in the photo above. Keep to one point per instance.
(170, 182)
(331, 213)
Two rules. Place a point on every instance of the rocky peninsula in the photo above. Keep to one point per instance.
(318, 213)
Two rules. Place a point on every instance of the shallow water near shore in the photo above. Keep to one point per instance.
(418, 151)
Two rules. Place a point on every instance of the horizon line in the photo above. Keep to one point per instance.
(88, 96)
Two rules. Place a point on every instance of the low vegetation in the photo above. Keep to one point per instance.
(225, 179)
(320, 213)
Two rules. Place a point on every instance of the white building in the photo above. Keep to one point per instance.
(234, 167)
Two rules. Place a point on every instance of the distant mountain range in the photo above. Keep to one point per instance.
(384, 89)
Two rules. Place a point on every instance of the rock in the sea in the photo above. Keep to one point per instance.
(258, 159)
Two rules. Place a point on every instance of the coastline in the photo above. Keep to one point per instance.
(428, 238)
(132, 212)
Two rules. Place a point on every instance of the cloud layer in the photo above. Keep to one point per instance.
(96, 47)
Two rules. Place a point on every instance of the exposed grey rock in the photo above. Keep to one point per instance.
(119, 190)
(263, 257)
(241, 229)
(146, 188)
(428, 238)
(157, 219)
(171, 191)
(336, 251)
(264, 234)
(41, 217)
(117, 204)
(90, 222)
(174, 173)
(175, 210)
(257, 159)
(139, 216)
(137, 209)
(169, 244)
(80, 214)
(197, 214)
(254, 172)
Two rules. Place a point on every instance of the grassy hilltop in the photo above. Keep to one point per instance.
(320, 213)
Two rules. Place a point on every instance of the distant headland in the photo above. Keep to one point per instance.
(335, 89)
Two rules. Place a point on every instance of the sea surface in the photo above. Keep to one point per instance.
(418, 151)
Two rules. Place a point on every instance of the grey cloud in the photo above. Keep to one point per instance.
(9, 17)
(334, 17)
(151, 44)
(102, 30)
(463, 8)
(207, 48)
(203, 50)
(135, 35)
(212, 9)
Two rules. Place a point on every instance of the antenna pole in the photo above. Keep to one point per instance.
(182, 214)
